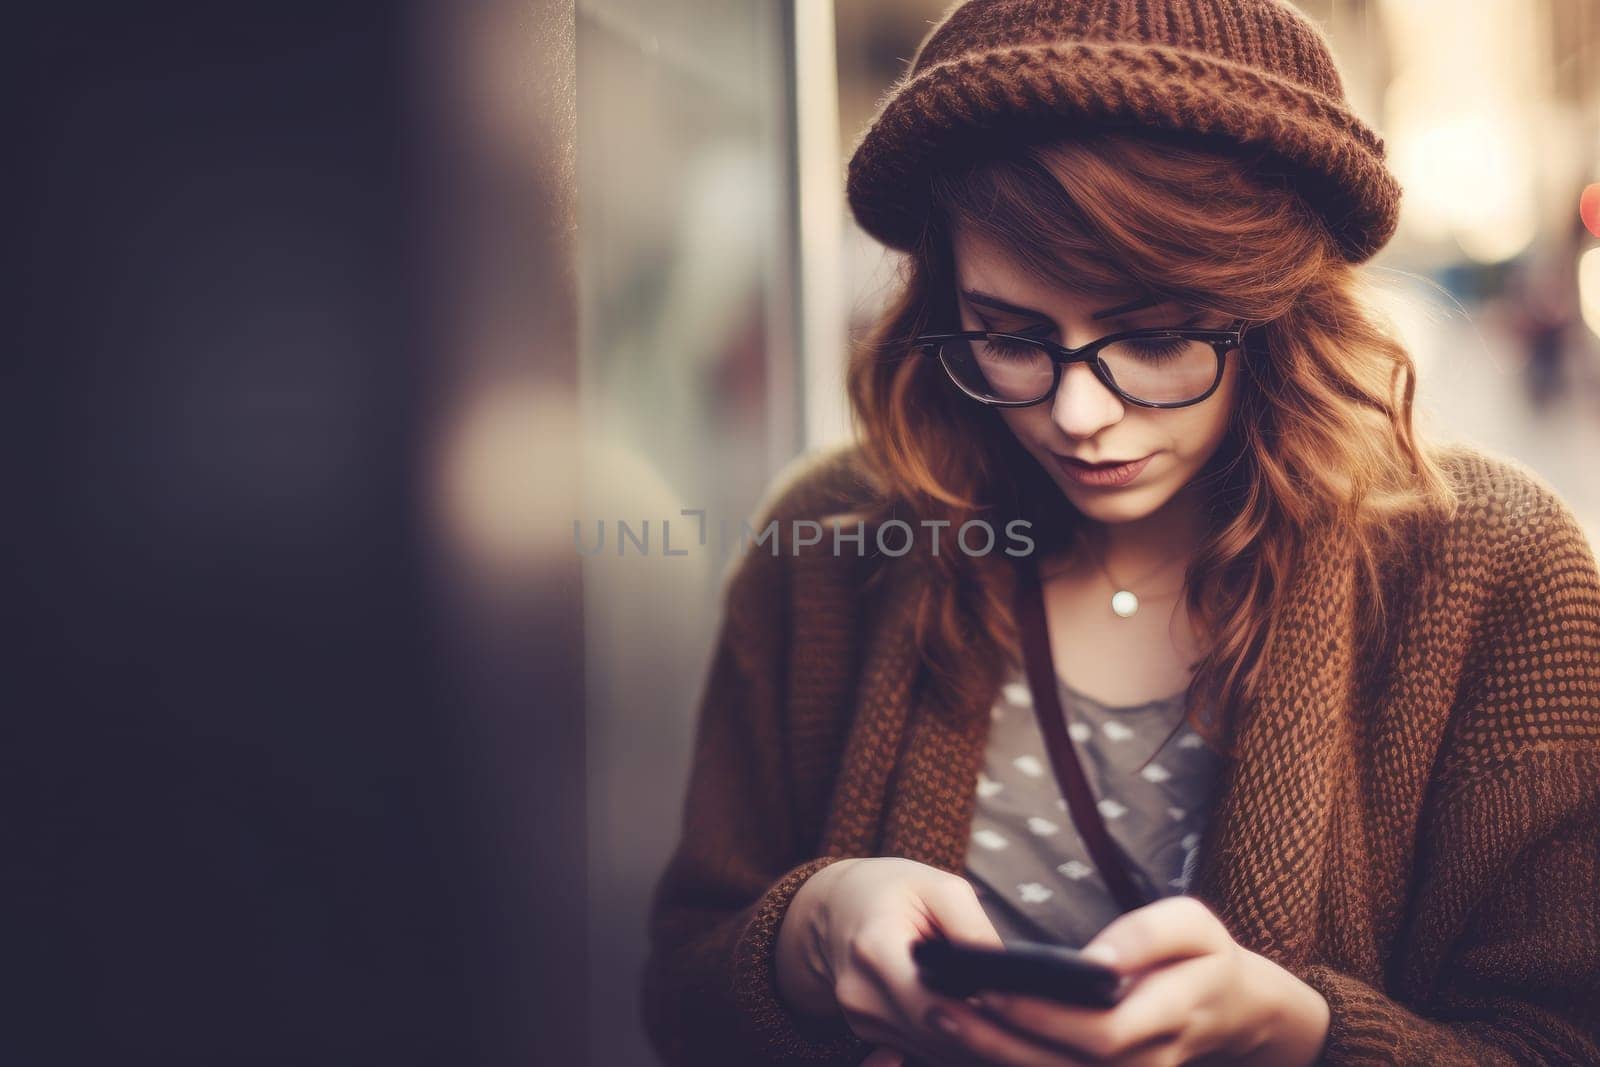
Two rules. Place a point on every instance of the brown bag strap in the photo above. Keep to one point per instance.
(1074, 785)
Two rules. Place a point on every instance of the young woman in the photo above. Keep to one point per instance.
(1334, 689)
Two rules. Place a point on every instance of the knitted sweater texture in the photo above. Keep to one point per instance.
(1412, 826)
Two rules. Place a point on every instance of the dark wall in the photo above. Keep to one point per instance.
(236, 827)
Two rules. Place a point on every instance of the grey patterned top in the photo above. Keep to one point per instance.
(1026, 860)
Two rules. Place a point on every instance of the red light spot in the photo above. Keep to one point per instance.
(1589, 208)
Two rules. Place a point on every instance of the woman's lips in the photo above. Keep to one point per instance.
(1101, 477)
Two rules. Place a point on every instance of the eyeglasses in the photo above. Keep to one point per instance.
(1153, 368)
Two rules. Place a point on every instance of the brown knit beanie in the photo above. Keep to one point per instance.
(995, 73)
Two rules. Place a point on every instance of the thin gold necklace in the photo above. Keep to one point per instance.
(1124, 602)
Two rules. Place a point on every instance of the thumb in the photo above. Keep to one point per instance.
(959, 914)
(1173, 927)
(884, 1057)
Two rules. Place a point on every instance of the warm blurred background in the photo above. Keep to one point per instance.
(326, 744)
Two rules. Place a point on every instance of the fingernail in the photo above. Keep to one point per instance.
(942, 1021)
(1101, 953)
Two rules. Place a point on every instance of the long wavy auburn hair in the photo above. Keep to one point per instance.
(1322, 429)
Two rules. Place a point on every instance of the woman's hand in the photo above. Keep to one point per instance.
(845, 947)
(1198, 996)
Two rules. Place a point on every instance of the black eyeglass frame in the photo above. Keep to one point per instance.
(1223, 341)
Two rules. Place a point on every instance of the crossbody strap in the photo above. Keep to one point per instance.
(1074, 785)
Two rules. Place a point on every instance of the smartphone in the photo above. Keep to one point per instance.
(1034, 968)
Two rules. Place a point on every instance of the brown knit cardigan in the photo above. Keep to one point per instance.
(1413, 829)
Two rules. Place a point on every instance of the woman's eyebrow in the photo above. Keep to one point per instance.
(976, 297)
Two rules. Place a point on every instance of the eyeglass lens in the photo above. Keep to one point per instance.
(1158, 370)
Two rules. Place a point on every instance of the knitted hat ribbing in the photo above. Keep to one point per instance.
(1253, 72)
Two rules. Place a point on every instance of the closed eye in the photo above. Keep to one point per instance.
(1046, 330)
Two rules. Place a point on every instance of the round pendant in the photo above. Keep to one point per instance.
(1124, 603)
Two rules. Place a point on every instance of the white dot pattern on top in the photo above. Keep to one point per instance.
(1026, 860)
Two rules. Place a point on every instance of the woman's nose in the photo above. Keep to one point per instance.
(1082, 404)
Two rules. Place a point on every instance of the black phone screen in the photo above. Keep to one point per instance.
(1033, 968)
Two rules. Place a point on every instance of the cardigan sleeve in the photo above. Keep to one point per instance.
(1504, 926)
(708, 992)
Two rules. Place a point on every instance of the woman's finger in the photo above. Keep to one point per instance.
(1170, 928)
(912, 1003)
(884, 986)
(883, 1056)
(997, 1042)
(955, 909)
(992, 1042)
(1157, 1007)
